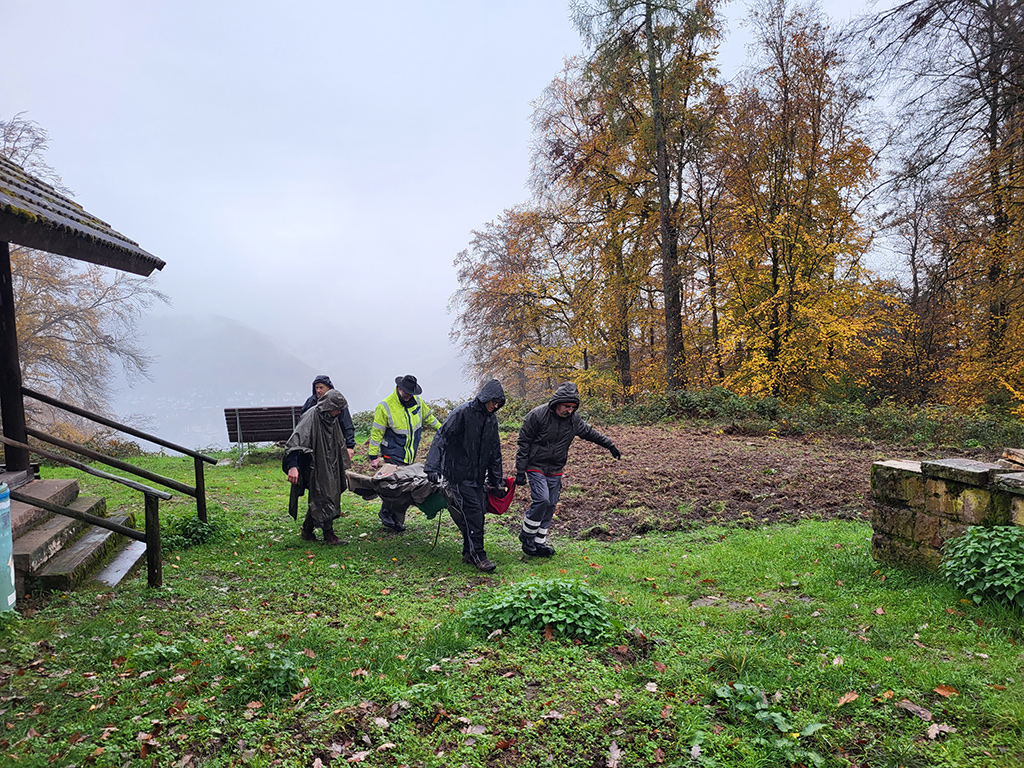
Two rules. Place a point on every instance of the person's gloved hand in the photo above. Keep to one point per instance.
(521, 479)
(433, 478)
(616, 453)
(503, 490)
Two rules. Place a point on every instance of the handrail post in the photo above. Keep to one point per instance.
(200, 490)
(153, 563)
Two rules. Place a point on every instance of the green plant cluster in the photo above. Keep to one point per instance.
(988, 563)
(748, 701)
(188, 531)
(885, 421)
(566, 607)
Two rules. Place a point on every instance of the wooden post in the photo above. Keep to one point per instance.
(153, 563)
(12, 407)
(200, 490)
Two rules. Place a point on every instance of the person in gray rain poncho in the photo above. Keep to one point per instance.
(315, 460)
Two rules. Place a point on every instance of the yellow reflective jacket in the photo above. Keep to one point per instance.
(397, 428)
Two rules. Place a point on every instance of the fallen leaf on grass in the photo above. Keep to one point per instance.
(659, 756)
(549, 632)
(652, 687)
(614, 753)
(386, 746)
(846, 698)
(946, 691)
(913, 709)
(554, 714)
(358, 757)
(476, 729)
(936, 728)
(659, 666)
(359, 672)
(880, 611)
(666, 713)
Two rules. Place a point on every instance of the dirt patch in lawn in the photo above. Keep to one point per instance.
(672, 477)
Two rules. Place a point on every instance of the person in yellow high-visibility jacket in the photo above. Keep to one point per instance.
(395, 436)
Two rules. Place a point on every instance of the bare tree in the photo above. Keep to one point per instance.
(75, 321)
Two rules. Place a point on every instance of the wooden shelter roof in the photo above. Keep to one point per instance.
(33, 214)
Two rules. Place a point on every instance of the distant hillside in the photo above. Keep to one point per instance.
(202, 365)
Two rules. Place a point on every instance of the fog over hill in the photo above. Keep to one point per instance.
(203, 364)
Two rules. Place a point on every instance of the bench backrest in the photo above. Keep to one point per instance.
(261, 425)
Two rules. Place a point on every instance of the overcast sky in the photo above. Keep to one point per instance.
(294, 160)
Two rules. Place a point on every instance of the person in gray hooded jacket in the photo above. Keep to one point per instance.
(544, 439)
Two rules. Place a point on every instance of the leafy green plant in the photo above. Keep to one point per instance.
(275, 675)
(988, 563)
(188, 531)
(750, 701)
(567, 608)
(156, 656)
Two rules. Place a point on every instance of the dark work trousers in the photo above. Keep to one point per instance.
(544, 490)
(466, 505)
(391, 513)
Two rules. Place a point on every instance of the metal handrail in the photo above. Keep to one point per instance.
(198, 493)
(87, 469)
(110, 461)
(151, 537)
(115, 425)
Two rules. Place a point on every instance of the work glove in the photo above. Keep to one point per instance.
(521, 479)
(433, 478)
(503, 490)
(616, 453)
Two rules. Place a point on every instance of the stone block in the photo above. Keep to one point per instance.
(897, 521)
(942, 498)
(926, 529)
(1012, 483)
(976, 506)
(897, 481)
(1017, 510)
(966, 471)
(928, 558)
(948, 529)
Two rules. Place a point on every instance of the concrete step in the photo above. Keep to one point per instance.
(74, 563)
(126, 560)
(34, 547)
(25, 516)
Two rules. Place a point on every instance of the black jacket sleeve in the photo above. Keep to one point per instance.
(347, 428)
(587, 432)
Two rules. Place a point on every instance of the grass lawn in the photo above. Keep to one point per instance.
(785, 645)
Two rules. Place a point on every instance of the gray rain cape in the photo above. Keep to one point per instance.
(319, 446)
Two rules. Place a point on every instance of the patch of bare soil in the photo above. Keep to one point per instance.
(672, 477)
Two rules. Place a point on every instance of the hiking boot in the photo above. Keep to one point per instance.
(483, 564)
(544, 550)
(393, 525)
(307, 534)
(529, 544)
(334, 540)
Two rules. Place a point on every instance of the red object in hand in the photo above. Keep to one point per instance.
(497, 504)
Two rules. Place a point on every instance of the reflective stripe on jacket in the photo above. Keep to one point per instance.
(397, 428)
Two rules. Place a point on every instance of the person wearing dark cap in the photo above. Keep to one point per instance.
(395, 435)
(544, 439)
(465, 459)
(315, 461)
(321, 384)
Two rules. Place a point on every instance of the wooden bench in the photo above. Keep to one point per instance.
(267, 424)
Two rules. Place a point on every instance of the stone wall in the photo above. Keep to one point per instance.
(918, 506)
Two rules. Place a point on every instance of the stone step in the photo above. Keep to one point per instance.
(25, 516)
(125, 561)
(34, 547)
(74, 563)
